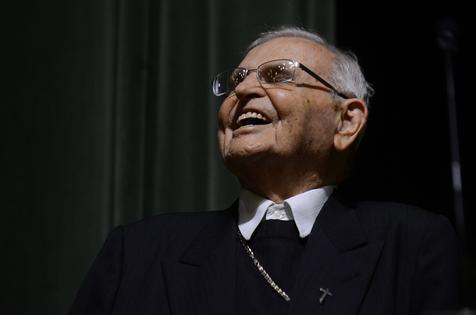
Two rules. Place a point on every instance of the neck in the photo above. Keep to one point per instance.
(280, 184)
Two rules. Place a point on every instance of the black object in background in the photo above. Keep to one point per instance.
(406, 155)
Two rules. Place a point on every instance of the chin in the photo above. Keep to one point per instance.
(241, 156)
(236, 160)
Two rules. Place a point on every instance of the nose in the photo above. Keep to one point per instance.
(250, 87)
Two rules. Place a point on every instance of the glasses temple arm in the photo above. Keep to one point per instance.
(320, 79)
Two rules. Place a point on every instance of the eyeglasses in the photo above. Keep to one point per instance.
(274, 71)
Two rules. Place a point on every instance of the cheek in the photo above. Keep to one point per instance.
(296, 118)
(284, 100)
(225, 112)
(224, 139)
(319, 130)
(309, 127)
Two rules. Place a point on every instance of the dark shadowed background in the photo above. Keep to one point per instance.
(109, 118)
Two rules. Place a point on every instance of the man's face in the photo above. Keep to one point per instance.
(299, 118)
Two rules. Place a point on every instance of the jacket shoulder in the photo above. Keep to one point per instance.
(383, 217)
(164, 228)
(423, 245)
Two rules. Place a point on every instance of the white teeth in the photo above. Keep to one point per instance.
(250, 115)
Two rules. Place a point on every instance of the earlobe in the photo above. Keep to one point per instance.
(352, 122)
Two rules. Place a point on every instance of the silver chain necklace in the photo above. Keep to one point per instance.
(261, 269)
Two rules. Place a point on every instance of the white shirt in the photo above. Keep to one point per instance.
(303, 209)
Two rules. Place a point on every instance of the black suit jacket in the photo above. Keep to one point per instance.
(376, 258)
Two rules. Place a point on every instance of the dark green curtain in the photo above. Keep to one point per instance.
(111, 120)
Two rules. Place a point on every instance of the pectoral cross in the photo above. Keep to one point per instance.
(325, 293)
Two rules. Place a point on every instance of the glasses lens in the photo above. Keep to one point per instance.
(220, 84)
(227, 81)
(276, 71)
(237, 76)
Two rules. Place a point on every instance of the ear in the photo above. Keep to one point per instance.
(352, 122)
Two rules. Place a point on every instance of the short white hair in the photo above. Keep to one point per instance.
(346, 74)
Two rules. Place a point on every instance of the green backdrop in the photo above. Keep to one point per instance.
(111, 119)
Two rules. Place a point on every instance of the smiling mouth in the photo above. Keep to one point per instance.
(251, 119)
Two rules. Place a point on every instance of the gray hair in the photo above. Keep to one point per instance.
(345, 75)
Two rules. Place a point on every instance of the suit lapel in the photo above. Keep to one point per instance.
(338, 257)
(203, 280)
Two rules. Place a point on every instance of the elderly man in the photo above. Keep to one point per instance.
(293, 113)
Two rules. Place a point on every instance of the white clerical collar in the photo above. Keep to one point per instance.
(302, 208)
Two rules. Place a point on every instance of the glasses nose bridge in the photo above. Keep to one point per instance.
(247, 74)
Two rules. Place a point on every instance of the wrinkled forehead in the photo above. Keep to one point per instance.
(305, 51)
